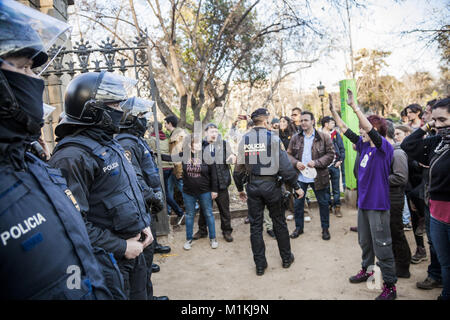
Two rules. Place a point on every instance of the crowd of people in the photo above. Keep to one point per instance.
(92, 203)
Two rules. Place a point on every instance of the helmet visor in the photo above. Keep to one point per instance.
(48, 110)
(114, 88)
(30, 33)
(137, 107)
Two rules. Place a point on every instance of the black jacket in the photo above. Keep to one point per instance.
(423, 151)
(222, 151)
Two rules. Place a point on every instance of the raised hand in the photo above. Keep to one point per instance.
(350, 99)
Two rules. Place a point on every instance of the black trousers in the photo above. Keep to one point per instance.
(417, 217)
(400, 247)
(148, 255)
(262, 193)
(135, 276)
(223, 203)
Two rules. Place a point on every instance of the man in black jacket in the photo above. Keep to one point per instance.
(219, 151)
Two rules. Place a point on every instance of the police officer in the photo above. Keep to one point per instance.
(132, 128)
(45, 251)
(261, 161)
(100, 176)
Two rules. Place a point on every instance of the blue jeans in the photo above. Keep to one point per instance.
(440, 234)
(169, 193)
(434, 268)
(205, 206)
(335, 175)
(299, 205)
(172, 182)
(406, 213)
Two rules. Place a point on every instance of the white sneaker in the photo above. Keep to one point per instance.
(187, 245)
(214, 243)
(307, 219)
(290, 217)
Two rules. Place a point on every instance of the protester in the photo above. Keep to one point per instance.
(434, 151)
(176, 138)
(373, 196)
(414, 113)
(199, 184)
(167, 168)
(404, 117)
(398, 179)
(218, 152)
(329, 127)
(402, 131)
(295, 117)
(311, 151)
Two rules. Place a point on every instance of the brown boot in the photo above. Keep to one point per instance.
(337, 211)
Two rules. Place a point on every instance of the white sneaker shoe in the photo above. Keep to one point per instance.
(307, 219)
(214, 243)
(290, 217)
(187, 245)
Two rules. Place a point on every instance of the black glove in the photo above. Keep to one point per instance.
(154, 200)
(285, 200)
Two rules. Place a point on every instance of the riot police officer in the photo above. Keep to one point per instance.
(45, 251)
(100, 176)
(132, 128)
(261, 162)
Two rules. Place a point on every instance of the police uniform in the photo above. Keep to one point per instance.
(99, 174)
(138, 152)
(45, 251)
(261, 160)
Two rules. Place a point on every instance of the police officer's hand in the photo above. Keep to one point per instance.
(243, 196)
(311, 164)
(231, 159)
(214, 195)
(148, 237)
(300, 193)
(134, 247)
(300, 166)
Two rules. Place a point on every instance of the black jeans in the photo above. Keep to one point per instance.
(260, 194)
(223, 203)
(416, 215)
(148, 255)
(400, 247)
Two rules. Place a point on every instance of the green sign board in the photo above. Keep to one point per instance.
(352, 122)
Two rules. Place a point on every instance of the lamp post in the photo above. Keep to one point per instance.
(321, 90)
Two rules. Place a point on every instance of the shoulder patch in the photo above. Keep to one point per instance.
(128, 155)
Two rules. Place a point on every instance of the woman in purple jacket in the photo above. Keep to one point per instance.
(374, 232)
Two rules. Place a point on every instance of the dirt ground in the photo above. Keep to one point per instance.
(320, 271)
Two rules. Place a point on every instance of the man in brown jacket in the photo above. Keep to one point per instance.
(311, 151)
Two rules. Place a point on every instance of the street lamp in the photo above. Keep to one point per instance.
(321, 90)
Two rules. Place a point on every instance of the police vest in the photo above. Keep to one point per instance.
(146, 162)
(45, 251)
(115, 200)
(258, 152)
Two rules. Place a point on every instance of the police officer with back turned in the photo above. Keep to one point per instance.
(263, 164)
(45, 251)
(132, 128)
(100, 176)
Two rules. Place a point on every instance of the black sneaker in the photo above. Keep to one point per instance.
(296, 233)
(199, 235)
(428, 284)
(389, 292)
(361, 276)
(419, 256)
(326, 234)
(271, 233)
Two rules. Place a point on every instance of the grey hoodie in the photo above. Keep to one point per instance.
(398, 178)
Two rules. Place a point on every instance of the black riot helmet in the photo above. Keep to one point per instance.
(25, 33)
(137, 113)
(89, 96)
